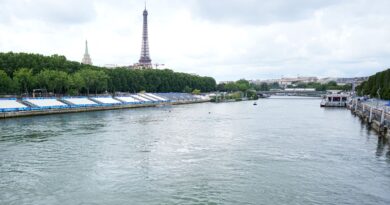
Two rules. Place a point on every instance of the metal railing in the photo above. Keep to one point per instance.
(372, 111)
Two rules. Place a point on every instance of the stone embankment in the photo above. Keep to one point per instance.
(377, 116)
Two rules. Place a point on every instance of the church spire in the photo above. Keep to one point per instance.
(86, 47)
(86, 58)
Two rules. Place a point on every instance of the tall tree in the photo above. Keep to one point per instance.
(378, 82)
(55, 81)
(96, 80)
(6, 83)
(24, 77)
(76, 84)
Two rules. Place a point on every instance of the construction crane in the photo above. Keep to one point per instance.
(158, 64)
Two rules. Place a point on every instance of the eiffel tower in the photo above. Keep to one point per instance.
(145, 60)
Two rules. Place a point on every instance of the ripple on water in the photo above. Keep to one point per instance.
(281, 152)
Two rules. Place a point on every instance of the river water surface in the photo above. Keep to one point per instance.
(282, 151)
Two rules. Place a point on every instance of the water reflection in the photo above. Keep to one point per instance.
(381, 147)
(388, 156)
(30, 137)
(40, 128)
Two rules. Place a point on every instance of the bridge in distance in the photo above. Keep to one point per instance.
(293, 92)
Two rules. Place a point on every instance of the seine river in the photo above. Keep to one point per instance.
(282, 151)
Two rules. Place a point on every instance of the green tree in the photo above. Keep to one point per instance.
(101, 82)
(221, 87)
(88, 77)
(380, 81)
(275, 85)
(252, 94)
(76, 84)
(98, 79)
(54, 81)
(196, 92)
(187, 89)
(6, 83)
(24, 77)
(242, 85)
(264, 87)
(332, 84)
(231, 87)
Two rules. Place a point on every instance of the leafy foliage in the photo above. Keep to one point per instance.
(240, 85)
(24, 79)
(332, 85)
(25, 72)
(52, 80)
(238, 89)
(378, 83)
(196, 92)
(6, 83)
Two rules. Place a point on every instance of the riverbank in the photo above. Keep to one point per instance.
(12, 107)
(5, 115)
(378, 117)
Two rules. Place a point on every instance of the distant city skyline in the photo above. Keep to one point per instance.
(236, 39)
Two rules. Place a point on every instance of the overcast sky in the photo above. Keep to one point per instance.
(225, 39)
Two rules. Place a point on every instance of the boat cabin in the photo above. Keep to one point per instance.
(335, 100)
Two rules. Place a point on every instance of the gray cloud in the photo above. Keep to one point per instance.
(226, 39)
(259, 12)
(47, 11)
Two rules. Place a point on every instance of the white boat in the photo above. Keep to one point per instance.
(335, 100)
(263, 95)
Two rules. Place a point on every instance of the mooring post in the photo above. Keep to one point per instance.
(383, 116)
(356, 106)
(370, 118)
